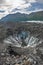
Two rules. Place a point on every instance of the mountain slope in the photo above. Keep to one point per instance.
(15, 17)
(36, 16)
(23, 17)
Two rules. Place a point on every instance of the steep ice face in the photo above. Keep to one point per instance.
(23, 34)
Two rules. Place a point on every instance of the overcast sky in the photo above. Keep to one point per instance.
(23, 6)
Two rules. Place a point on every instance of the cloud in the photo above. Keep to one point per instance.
(35, 6)
(2, 11)
(9, 5)
(31, 1)
(39, 1)
(25, 6)
(2, 1)
(20, 4)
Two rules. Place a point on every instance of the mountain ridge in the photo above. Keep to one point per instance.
(23, 17)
